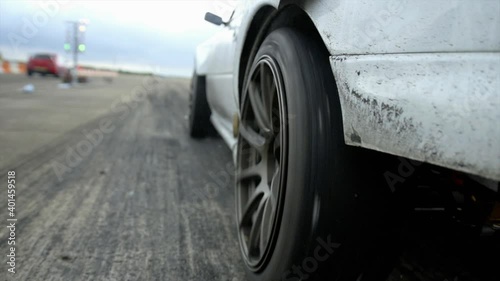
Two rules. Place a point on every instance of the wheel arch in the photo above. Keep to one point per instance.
(253, 38)
(268, 19)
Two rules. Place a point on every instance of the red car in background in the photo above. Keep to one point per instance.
(43, 64)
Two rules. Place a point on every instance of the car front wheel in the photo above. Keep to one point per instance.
(302, 196)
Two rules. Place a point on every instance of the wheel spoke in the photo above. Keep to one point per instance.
(267, 86)
(251, 205)
(266, 224)
(255, 233)
(248, 173)
(259, 109)
(253, 138)
(269, 209)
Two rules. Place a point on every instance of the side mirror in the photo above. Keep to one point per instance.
(215, 19)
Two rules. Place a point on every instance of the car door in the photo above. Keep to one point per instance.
(219, 77)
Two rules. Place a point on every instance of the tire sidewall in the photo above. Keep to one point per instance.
(199, 113)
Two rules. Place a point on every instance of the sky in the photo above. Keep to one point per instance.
(151, 36)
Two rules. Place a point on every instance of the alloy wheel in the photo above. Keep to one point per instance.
(262, 161)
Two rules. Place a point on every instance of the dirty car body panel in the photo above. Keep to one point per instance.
(416, 78)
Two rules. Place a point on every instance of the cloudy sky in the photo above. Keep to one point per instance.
(158, 36)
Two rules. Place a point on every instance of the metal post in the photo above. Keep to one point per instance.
(75, 50)
(77, 32)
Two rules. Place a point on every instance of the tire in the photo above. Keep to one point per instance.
(199, 111)
(30, 72)
(306, 202)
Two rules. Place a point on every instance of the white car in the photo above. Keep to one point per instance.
(331, 106)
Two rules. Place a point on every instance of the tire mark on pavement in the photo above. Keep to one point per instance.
(127, 211)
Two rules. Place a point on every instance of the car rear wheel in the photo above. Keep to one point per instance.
(302, 197)
(199, 111)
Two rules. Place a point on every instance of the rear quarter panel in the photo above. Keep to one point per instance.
(416, 78)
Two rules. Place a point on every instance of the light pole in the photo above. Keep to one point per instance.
(78, 28)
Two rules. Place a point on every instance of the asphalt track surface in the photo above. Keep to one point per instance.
(123, 193)
(147, 203)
